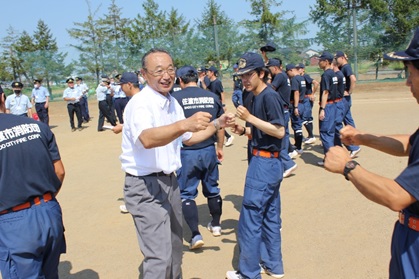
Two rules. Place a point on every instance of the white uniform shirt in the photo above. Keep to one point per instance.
(145, 110)
(72, 93)
(18, 104)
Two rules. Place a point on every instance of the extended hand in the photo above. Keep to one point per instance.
(242, 113)
(348, 135)
(197, 122)
(335, 159)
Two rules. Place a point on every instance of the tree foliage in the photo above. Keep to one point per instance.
(382, 25)
(280, 27)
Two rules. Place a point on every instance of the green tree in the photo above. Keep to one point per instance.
(9, 69)
(25, 59)
(113, 26)
(267, 25)
(218, 36)
(49, 63)
(91, 38)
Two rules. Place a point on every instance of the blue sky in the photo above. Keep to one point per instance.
(59, 15)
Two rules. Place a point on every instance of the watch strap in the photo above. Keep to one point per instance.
(349, 166)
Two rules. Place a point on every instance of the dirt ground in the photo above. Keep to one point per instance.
(329, 229)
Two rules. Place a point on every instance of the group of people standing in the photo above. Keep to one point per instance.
(183, 133)
(20, 104)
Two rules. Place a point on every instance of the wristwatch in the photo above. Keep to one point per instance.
(349, 166)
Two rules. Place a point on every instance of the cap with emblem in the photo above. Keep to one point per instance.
(202, 69)
(411, 53)
(128, 77)
(249, 62)
(17, 84)
(35, 81)
(70, 80)
(78, 78)
(186, 71)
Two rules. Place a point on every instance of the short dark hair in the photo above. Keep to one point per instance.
(415, 63)
(265, 71)
(190, 77)
(151, 51)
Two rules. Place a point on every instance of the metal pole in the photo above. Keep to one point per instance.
(355, 39)
(217, 50)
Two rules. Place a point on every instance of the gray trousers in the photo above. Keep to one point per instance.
(155, 205)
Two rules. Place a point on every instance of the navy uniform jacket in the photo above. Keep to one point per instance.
(329, 82)
(282, 85)
(194, 99)
(347, 72)
(26, 146)
(216, 87)
(341, 85)
(268, 107)
(298, 83)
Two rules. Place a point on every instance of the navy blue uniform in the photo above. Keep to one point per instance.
(405, 241)
(298, 83)
(340, 107)
(347, 100)
(216, 87)
(199, 161)
(260, 222)
(31, 239)
(237, 96)
(282, 85)
(328, 82)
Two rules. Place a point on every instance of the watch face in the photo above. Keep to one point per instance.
(350, 165)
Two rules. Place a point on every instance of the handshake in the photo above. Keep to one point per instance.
(201, 120)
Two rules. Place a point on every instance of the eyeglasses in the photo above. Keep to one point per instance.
(158, 73)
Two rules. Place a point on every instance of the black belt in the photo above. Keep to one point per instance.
(42, 102)
(157, 174)
(73, 104)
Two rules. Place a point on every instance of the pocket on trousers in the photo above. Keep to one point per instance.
(254, 191)
(7, 269)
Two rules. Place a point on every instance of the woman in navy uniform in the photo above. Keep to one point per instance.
(259, 233)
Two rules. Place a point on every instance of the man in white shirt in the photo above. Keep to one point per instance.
(154, 130)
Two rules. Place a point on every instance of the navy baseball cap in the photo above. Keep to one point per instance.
(186, 71)
(128, 77)
(326, 56)
(235, 66)
(300, 66)
(248, 62)
(17, 84)
(269, 47)
(202, 69)
(213, 69)
(411, 53)
(289, 67)
(274, 62)
(340, 54)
